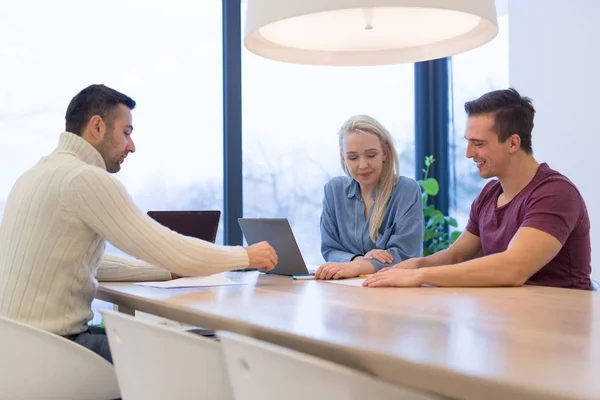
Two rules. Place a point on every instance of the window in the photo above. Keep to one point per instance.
(473, 73)
(168, 59)
(291, 116)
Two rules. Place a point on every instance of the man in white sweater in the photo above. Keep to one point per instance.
(60, 213)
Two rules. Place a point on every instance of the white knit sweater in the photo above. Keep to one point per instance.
(52, 241)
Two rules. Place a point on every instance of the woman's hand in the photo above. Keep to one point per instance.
(334, 270)
(383, 256)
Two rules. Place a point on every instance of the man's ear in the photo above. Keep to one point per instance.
(514, 143)
(97, 128)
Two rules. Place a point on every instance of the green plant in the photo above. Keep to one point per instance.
(436, 236)
(100, 325)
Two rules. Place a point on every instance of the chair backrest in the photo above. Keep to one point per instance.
(157, 362)
(263, 371)
(40, 365)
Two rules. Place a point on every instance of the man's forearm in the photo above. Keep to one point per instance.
(115, 268)
(133, 232)
(444, 257)
(494, 270)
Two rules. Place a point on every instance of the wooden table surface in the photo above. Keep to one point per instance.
(472, 343)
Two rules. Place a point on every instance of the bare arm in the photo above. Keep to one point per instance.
(466, 247)
(529, 251)
(549, 218)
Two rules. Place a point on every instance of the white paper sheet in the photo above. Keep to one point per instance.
(348, 282)
(195, 281)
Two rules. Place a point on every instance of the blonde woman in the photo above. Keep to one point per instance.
(373, 217)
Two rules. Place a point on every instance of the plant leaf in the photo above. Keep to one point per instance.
(430, 186)
(428, 236)
(452, 222)
(428, 211)
(454, 235)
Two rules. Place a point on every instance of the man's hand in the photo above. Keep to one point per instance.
(411, 263)
(262, 256)
(395, 277)
(383, 256)
(333, 270)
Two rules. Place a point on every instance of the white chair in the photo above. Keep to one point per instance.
(264, 371)
(36, 364)
(156, 362)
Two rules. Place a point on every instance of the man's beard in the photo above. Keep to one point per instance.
(106, 147)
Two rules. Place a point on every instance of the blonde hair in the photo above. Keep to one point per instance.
(390, 173)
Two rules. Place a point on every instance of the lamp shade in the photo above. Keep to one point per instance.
(366, 32)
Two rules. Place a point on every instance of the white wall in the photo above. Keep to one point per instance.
(554, 58)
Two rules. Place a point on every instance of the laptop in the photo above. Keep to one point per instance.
(197, 224)
(278, 233)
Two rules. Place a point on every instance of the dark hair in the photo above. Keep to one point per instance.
(513, 114)
(94, 100)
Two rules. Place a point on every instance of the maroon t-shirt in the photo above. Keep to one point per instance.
(550, 203)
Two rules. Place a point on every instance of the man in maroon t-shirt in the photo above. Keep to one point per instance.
(529, 226)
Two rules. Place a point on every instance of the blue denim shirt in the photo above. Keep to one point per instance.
(345, 230)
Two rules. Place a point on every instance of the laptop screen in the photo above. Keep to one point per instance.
(278, 232)
(198, 224)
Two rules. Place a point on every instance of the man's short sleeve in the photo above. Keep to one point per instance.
(473, 223)
(555, 208)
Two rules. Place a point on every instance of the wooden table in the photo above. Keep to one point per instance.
(486, 343)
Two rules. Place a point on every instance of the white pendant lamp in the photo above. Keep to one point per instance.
(366, 32)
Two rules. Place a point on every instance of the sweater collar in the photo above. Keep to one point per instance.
(71, 143)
